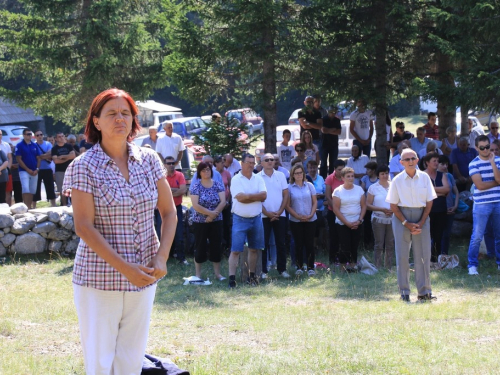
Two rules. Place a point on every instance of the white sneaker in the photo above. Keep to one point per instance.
(473, 270)
(311, 273)
(263, 276)
(285, 274)
(299, 272)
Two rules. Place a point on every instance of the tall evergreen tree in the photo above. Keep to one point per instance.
(70, 50)
(241, 51)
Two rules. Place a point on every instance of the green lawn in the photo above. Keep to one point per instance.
(329, 324)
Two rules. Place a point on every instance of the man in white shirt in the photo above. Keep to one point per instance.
(286, 151)
(231, 164)
(171, 144)
(411, 194)
(273, 213)
(278, 167)
(361, 128)
(248, 191)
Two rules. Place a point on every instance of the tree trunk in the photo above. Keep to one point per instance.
(269, 93)
(445, 108)
(464, 125)
(381, 84)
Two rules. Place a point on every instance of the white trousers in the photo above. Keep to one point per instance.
(113, 329)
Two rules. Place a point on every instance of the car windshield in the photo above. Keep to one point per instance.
(178, 128)
(18, 131)
(236, 115)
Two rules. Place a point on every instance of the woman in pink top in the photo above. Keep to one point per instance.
(115, 187)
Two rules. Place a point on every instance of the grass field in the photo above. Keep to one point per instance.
(329, 324)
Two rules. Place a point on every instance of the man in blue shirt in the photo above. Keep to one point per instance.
(28, 156)
(460, 158)
(486, 177)
(45, 175)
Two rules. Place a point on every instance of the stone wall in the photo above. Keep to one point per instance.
(24, 231)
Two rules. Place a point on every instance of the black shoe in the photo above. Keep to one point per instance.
(232, 284)
(426, 298)
(252, 281)
(405, 298)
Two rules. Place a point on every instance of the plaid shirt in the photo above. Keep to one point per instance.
(124, 212)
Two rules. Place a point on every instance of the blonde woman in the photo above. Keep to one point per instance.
(311, 152)
(302, 208)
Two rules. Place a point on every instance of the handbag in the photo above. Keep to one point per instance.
(366, 267)
(448, 262)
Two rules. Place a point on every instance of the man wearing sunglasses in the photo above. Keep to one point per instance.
(400, 134)
(411, 195)
(484, 171)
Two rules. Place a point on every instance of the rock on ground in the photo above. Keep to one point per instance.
(59, 235)
(18, 208)
(3, 251)
(6, 221)
(54, 216)
(23, 225)
(8, 239)
(55, 246)
(44, 227)
(71, 246)
(30, 243)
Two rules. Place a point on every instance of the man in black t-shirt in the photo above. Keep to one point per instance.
(62, 155)
(310, 119)
(329, 147)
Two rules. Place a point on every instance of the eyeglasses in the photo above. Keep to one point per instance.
(494, 128)
(268, 160)
(206, 170)
(299, 150)
(298, 172)
(170, 163)
(30, 134)
(482, 148)
(409, 159)
(39, 135)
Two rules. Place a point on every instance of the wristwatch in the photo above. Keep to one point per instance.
(404, 222)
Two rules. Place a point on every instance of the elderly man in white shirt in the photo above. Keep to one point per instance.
(410, 195)
(231, 164)
(248, 191)
(273, 213)
(171, 144)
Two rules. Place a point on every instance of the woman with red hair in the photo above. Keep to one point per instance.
(115, 187)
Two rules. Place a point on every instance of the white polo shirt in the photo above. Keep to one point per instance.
(5, 147)
(170, 146)
(241, 184)
(411, 192)
(234, 167)
(275, 184)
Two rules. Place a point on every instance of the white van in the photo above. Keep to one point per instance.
(160, 117)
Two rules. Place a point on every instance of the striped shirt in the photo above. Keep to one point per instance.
(483, 167)
(124, 213)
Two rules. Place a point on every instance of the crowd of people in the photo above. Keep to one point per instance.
(37, 159)
(128, 209)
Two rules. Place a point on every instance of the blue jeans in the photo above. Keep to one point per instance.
(489, 240)
(365, 150)
(482, 214)
(179, 232)
(247, 229)
(278, 228)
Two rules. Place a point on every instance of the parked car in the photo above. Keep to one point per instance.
(295, 138)
(12, 133)
(247, 116)
(294, 117)
(186, 127)
(161, 117)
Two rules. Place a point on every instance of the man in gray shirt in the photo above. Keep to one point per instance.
(153, 137)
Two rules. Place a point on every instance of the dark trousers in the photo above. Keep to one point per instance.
(47, 177)
(211, 232)
(279, 229)
(438, 226)
(367, 229)
(334, 238)
(179, 232)
(303, 235)
(366, 150)
(327, 154)
(226, 224)
(17, 188)
(445, 242)
(3, 187)
(349, 242)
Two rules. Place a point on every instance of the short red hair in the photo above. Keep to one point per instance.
(93, 135)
